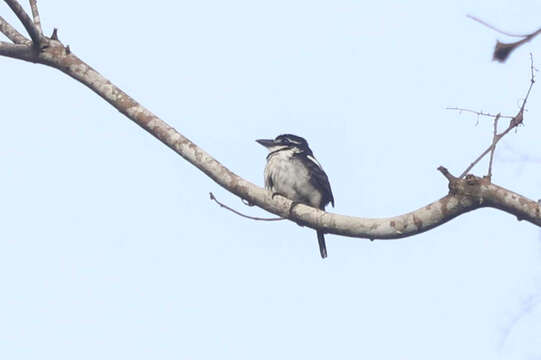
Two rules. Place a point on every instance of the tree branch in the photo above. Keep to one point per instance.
(495, 138)
(27, 22)
(17, 51)
(503, 50)
(213, 198)
(11, 33)
(474, 18)
(479, 113)
(465, 194)
(35, 15)
(515, 121)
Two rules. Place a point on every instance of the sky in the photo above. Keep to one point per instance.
(110, 247)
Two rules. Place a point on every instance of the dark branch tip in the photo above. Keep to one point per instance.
(446, 173)
(503, 50)
(519, 119)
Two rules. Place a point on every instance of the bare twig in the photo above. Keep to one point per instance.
(27, 22)
(474, 163)
(495, 28)
(212, 197)
(35, 15)
(515, 121)
(493, 147)
(532, 81)
(480, 113)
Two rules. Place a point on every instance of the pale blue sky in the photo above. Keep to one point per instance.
(111, 249)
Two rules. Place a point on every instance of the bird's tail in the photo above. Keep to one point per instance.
(321, 241)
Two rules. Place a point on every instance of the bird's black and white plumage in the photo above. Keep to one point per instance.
(293, 171)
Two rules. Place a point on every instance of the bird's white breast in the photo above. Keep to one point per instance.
(287, 175)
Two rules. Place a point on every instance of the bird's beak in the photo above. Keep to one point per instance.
(266, 142)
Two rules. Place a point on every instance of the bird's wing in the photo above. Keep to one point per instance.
(268, 180)
(319, 179)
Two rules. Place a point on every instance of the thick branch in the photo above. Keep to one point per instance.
(466, 194)
(27, 22)
(11, 33)
(22, 52)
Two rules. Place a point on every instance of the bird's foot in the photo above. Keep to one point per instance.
(277, 194)
(293, 204)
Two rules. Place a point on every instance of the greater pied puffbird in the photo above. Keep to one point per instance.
(293, 171)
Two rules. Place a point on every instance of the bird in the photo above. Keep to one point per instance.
(292, 171)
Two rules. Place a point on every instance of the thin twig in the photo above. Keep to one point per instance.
(27, 22)
(532, 81)
(517, 120)
(495, 28)
(480, 113)
(493, 147)
(11, 33)
(35, 15)
(212, 197)
(474, 163)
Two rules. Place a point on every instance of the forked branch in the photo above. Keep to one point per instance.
(503, 50)
(515, 121)
(28, 24)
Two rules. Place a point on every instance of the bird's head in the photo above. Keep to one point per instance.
(286, 141)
